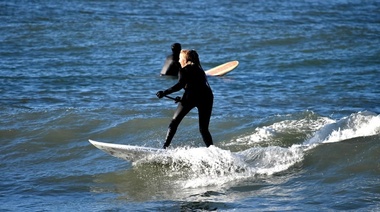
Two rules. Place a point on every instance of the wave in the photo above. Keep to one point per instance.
(280, 127)
(199, 167)
(360, 124)
(213, 166)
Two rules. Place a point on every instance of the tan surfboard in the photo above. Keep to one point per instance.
(222, 69)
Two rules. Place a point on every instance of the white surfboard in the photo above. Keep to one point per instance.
(126, 152)
(222, 69)
(201, 159)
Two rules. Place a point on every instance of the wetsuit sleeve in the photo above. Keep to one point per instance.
(179, 85)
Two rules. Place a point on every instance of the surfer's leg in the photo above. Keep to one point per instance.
(204, 112)
(177, 118)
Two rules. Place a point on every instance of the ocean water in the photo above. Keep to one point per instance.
(296, 125)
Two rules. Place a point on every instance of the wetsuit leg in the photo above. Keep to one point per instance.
(180, 113)
(204, 111)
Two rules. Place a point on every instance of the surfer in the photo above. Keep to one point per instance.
(172, 66)
(197, 93)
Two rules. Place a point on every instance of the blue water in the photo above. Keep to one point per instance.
(296, 125)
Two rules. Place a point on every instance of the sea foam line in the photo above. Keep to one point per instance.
(356, 125)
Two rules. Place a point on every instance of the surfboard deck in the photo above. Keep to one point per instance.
(126, 152)
(222, 69)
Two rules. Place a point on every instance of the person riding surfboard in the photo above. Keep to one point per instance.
(197, 93)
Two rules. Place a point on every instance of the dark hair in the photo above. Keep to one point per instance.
(176, 47)
(194, 57)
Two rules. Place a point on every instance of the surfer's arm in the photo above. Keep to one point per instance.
(178, 86)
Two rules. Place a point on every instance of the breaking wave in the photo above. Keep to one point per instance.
(196, 167)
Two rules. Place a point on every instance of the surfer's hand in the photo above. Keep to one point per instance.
(160, 94)
(177, 99)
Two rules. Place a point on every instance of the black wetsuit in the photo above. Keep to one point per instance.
(171, 66)
(198, 94)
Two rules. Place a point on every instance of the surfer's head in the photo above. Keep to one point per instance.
(176, 47)
(189, 57)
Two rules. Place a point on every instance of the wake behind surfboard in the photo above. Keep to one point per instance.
(126, 152)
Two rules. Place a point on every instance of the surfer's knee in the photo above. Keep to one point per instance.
(204, 131)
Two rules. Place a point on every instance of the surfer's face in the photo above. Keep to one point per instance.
(182, 60)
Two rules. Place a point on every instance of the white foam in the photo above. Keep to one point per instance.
(356, 125)
(200, 167)
(213, 166)
(267, 133)
(273, 159)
